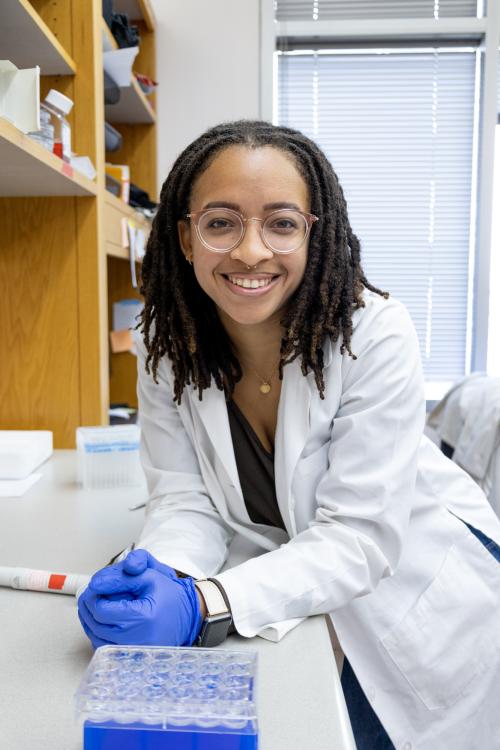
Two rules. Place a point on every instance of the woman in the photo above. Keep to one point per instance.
(281, 401)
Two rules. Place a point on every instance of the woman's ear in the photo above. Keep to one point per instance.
(184, 232)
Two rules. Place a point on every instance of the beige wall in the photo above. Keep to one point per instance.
(208, 68)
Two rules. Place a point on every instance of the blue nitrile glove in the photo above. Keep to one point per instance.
(135, 563)
(134, 603)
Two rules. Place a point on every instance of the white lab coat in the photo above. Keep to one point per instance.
(370, 506)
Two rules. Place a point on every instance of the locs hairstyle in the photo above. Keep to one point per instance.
(180, 320)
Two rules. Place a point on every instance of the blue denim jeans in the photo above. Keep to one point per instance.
(367, 729)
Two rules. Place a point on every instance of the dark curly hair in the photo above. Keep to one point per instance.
(183, 320)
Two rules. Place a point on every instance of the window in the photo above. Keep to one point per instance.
(398, 128)
(400, 97)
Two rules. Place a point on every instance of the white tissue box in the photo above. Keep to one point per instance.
(21, 451)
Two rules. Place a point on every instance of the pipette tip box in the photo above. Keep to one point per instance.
(108, 457)
(159, 698)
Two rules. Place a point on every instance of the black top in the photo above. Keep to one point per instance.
(255, 469)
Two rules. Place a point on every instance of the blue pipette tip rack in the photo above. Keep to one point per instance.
(159, 698)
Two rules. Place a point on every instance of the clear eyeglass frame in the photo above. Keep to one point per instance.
(197, 216)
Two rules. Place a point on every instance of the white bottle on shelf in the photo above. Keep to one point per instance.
(59, 106)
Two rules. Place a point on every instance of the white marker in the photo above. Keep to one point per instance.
(43, 580)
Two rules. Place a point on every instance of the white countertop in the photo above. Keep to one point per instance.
(59, 527)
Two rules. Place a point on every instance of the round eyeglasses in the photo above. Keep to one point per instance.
(222, 229)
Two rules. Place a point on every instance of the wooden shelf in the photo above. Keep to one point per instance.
(27, 41)
(28, 169)
(137, 10)
(114, 211)
(133, 107)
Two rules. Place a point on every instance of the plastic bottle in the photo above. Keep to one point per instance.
(44, 136)
(59, 106)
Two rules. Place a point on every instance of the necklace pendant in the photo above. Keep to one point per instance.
(265, 388)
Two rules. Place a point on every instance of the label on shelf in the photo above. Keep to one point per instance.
(67, 169)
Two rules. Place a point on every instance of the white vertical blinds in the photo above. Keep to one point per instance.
(323, 10)
(398, 130)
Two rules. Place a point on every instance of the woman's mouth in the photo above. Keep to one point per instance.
(250, 284)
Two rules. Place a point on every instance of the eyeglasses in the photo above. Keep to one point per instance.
(222, 229)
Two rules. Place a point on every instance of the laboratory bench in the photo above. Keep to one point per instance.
(60, 527)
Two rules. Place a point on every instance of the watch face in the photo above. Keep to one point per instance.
(214, 630)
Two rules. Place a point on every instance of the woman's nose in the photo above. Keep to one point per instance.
(252, 249)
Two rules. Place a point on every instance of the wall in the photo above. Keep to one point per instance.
(208, 67)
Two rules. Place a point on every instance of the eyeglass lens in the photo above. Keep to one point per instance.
(283, 231)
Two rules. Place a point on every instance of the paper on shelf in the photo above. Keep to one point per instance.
(17, 487)
(20, 96)
(118, 64)
(121, 341)
(84, 165)
(124, 231)
(140, 244)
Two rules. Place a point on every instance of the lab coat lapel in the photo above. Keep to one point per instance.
(212, 410)
(291, 434)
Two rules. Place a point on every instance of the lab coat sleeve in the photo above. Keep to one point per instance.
(183, 528)
(365, 497)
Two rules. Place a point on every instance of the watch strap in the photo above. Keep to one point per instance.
(214, 599)
(216, 625)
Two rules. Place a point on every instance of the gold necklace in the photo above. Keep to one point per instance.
(265, 383)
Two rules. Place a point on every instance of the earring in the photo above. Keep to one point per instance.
(189, 260)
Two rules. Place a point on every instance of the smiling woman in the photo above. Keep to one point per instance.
(281, 405)
(312, 285)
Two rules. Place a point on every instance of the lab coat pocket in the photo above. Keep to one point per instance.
(450, 636)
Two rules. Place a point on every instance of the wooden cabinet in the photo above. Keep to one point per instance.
(62, 263)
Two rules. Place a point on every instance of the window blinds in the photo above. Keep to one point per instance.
(324, 10)
(398, 130)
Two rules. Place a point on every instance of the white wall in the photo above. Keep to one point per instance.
(207, 67)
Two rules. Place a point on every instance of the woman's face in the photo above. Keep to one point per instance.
(254, 182)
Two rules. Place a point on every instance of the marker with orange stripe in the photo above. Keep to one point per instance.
(43, 580)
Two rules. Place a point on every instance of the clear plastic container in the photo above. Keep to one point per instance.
(160, 698)
(44, 136)
(58, 106)
(109, 456)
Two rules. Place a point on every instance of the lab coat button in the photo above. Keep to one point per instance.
(371, 692)
(406, 746)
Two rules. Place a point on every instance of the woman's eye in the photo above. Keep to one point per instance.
(219, 224)
(281, 225)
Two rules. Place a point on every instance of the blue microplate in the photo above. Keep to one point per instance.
(158, 698)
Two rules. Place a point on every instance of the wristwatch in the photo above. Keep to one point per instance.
(217, 622)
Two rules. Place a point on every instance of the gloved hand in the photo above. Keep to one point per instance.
(140, 601)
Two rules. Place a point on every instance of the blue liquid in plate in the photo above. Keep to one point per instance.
(159, 698)
(112, 736)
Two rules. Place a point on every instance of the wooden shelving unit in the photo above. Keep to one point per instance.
(58, 229)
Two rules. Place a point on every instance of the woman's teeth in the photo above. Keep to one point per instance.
(249, 283)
